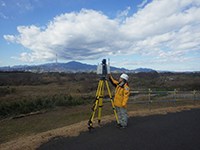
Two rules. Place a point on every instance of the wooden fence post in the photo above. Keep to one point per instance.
(175, 98)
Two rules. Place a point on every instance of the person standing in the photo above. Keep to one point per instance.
(121, 98)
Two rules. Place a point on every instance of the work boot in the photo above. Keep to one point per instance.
(121, 127)
(118, 125)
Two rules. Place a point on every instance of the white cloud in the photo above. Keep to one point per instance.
(168, 60)
(10, 38)
(24, 6)
(32, 57)
(123, 13)
(142, 4)
(160, 17)
(29, 7)
(2, 15)
(164, 31)
(3, 3)
(25, 57)
(83, 35)
(1, 61)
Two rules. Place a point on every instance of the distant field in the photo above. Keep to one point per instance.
(22, 93)
(59, 99)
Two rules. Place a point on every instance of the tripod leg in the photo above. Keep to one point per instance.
(112, 102)
(100, 100)
(90, 122)
(97, 94)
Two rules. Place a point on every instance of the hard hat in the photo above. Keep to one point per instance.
(124, 76)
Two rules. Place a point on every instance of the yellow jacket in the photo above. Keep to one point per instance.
(121, 94)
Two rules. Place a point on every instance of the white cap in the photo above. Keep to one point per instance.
(124, 76)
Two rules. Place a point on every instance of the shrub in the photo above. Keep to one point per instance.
(4, 91)
(25, 106)
(4, 109)
(48, 103)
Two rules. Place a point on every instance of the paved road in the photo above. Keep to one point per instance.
(174, 131)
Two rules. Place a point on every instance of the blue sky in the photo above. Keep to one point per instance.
(157, 34)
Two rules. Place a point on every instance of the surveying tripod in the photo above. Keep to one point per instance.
(99, 101)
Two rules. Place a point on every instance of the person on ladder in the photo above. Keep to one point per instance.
(121, 98)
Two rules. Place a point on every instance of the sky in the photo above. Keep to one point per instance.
(156, 34)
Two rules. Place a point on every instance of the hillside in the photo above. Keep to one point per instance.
(72, 66)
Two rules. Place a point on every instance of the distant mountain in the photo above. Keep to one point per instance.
(70, 66)
(73, 65)
(144, 70)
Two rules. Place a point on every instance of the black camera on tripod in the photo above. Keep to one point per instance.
(103, 68)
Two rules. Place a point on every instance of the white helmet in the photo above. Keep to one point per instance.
(124, 76)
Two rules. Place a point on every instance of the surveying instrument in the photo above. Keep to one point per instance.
(103, 70)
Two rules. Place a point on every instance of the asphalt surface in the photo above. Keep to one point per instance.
(174, 131)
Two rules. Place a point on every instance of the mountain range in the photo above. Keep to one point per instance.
(72, 66)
